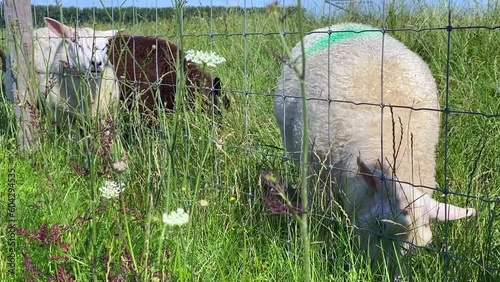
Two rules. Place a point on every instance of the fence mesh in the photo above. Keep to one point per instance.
(192, 155)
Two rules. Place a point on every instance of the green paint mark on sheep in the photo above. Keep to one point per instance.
(335, 37)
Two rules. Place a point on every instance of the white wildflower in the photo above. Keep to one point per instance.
(111, 189)
(177, 217)
(204, 58)
(203, 203)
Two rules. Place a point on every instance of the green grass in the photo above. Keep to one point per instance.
(232, 239)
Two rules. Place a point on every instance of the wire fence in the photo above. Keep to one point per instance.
(468, 151)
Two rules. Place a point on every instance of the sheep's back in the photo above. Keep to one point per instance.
(146, 64)
(142, 64)
(349, 71)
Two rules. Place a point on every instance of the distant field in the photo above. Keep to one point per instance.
(193, 157)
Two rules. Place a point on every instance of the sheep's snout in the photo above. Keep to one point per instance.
(425, 235)
(96, 66)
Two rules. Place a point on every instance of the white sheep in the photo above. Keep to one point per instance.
(73, 70)
(379, 160)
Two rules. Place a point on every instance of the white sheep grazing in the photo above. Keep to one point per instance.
(73, 70)
(347, 67)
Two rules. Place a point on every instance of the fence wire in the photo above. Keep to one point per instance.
(246, 95)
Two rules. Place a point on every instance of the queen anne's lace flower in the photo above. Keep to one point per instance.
(111, 189)
(204, 58)
(203, 203)
(177, 217)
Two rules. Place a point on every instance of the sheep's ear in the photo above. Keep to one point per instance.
(59, 28)
(372, 178)
(437, 210)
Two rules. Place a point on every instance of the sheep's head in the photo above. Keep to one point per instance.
(399, 211)
(87, 47)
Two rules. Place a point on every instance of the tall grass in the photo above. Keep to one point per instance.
(194, 156)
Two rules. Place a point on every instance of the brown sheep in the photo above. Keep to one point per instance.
(146, 66)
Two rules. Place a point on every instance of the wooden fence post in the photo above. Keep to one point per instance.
(19, 36)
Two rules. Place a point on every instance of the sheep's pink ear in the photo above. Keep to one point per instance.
(59, 28)
(437, 211)
(370, 177)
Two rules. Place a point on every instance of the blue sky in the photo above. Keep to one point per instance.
(313, 5)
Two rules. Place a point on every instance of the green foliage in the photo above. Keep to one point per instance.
(128, 15)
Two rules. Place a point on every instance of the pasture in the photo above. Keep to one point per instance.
(211, 167)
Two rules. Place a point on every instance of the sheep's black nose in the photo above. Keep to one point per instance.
(96, 66)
